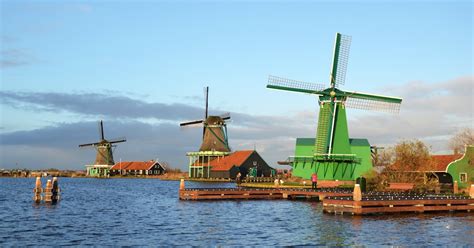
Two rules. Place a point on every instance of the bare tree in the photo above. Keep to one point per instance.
(461, 139)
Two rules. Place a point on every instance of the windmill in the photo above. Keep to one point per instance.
(214, 133)
(332, 154)
(104, 158)
(214, 144)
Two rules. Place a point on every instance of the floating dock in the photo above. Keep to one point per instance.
(380, 202)
(258, 193)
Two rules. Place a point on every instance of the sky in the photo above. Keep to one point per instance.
(141, 66)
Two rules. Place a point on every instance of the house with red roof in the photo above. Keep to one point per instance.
(151, 167)
(245, 162)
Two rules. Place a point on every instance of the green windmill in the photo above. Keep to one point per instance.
(332, 154)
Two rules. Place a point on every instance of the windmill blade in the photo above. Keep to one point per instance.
(101, 130)
(225, 116)
(206, 94)
(342, 47)
(89, 144)
(191, 123)
(373, 102)
(117, 140)
(280, 83)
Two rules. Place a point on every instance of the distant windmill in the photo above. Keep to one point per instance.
(104, 148)
(214, 134)
(332, 154)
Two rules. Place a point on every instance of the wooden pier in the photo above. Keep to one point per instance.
(258, 193)
(342, 201)
(377, 203)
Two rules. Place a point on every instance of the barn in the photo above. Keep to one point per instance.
(151, 167)
(228, 166)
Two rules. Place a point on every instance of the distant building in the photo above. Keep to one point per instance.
(151, 167)
(247, 162)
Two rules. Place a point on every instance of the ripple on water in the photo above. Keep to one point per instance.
(139, 212)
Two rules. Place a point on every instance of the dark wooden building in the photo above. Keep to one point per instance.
(238, 161)
(151, 167)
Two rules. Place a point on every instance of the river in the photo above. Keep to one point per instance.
(147, 212)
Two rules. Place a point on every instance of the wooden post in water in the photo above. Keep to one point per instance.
(48, 192)
(55, 190)
(38, 190)
(357, 195)
(471, 191)
(455, 187)
(181, 184)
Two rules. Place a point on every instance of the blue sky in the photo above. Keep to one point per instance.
(165, 52)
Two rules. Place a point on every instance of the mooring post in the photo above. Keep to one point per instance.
(277, 183)
(455, 187)
(181, 184)
(471, 191)
(357, 195)
(37, 190)
(55, 190)
(48, 191)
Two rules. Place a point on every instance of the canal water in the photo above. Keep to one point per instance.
(147, 212)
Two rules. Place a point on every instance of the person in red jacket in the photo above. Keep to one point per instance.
(314, 180)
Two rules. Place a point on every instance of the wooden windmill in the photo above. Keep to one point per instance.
(104, 158)
(332, 154)
(214, 144)
(214, 133)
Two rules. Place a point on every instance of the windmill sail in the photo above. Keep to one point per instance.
(342, 47)
(373, 102)
(280, 83)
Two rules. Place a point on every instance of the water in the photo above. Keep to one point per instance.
(147, 212)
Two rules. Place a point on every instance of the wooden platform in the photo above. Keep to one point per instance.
(256, 193)
(378, 203)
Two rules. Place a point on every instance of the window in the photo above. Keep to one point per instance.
(463, 177)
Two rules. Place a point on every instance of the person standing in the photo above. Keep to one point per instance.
(238, 179)
(314, 180)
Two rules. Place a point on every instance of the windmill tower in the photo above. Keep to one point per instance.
(332, 154)
(214, 140)
(104, 159)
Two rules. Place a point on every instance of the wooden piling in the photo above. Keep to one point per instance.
(48, 192)
(181, 184)
(357, 195)
(455, 187)
(55, 196)
(471, 191)
(38, 190)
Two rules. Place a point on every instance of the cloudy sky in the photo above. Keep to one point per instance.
(141, 67)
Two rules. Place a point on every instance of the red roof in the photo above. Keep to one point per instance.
(236, 158)
(134, 165)
(441, 162)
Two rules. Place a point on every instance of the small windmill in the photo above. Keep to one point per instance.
(104, 157)
(214, 144)
(214, 133)
(333, 151)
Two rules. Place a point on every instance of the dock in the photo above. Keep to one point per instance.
(342, 201)
(259, 193)
(385, 202)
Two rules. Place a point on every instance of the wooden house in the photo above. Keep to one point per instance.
(238, 161)
(135, 168)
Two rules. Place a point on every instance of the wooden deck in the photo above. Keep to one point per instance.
(378, 203)
(258, 193)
